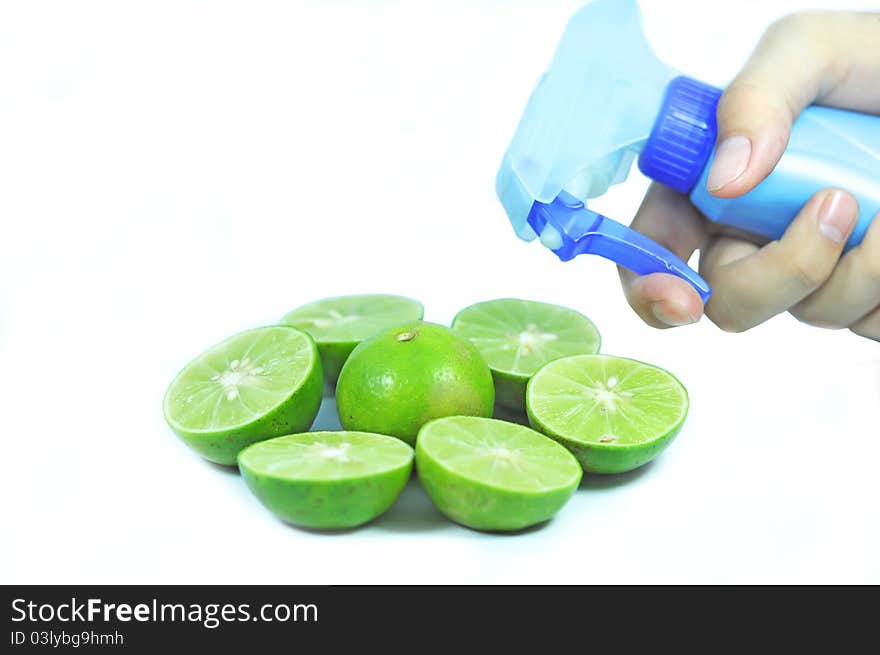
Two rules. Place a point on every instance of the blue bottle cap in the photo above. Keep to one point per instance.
(683, 135)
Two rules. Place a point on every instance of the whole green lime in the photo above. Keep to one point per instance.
(395, 382)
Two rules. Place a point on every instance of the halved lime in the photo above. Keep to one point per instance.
(493, 475)
(327, 480)
(339, 324)
(253, 386)
(615, 414)
(517, 337)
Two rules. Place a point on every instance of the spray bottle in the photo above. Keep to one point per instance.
(607, 99)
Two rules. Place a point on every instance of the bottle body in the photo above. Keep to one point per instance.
(827, 148)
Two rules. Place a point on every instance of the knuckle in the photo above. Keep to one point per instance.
(806, 272)
(870, 262)
(753, 101)
(741, 92)
(797, 22)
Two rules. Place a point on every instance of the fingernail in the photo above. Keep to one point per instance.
(837, 216)
(731, 160)
(671, 314)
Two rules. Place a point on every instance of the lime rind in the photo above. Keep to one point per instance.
(340, 323)
(493, 475)
(398, 380)
(627, 400)
(327, 480)
(613, 413)
(239, 380)
(517, 337)
(320, 456)
(255, 385)
(506, 456)
(347, 319)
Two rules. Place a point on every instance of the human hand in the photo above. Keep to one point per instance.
(807, 58)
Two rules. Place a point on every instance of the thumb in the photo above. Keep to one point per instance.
(755, 113)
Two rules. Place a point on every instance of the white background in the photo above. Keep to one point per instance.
(174, 172)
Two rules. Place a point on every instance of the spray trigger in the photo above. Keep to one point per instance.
(566, 227)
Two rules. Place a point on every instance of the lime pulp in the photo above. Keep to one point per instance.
(518, 337)
(613, 413)
(255, 385)
(339, 324)
(493, 475)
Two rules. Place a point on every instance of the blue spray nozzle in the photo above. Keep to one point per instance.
(589, 115)
(568, 228)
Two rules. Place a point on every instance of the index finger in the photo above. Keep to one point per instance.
(824, 57)
(660, 299)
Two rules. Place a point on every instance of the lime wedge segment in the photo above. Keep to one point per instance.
(252, 386)
(615, 414)
(517, 337)
(493, 475)
(327, 480)
(341, 323)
